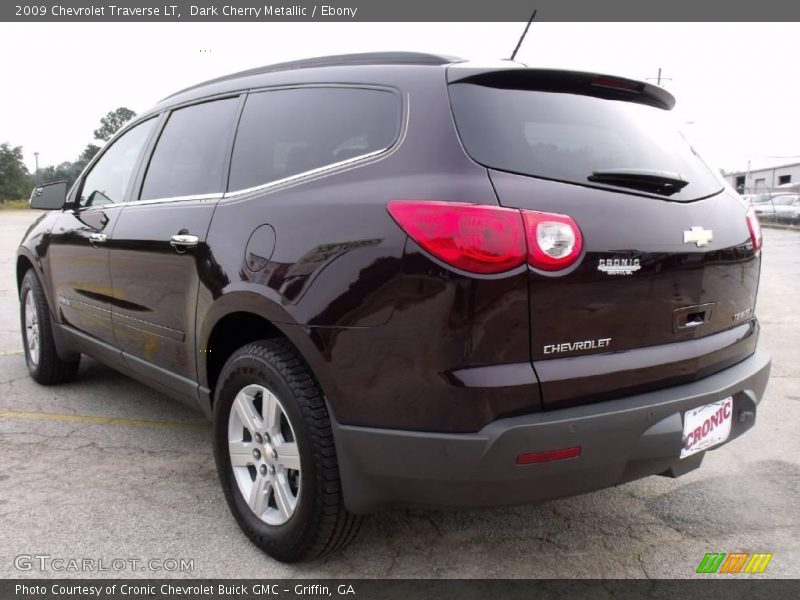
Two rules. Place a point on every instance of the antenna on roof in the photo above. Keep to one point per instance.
(524, 33)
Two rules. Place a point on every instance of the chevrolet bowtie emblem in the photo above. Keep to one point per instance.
(699, 236)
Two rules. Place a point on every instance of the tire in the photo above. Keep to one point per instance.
(44, 364)
(299, 513)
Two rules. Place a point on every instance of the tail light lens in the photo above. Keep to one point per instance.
(755, 228)
(554, 241)
(489, 239)
(471, 237)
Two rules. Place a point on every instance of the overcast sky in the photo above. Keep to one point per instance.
(737, 84)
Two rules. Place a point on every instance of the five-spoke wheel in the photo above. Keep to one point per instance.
(31, 332)
(264, 455)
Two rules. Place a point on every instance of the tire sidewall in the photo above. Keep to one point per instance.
(29, 286)
(242, 370)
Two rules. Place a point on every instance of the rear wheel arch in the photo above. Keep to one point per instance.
(238, 319)
(229, 333)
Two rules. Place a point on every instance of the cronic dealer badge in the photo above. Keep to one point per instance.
(619, 266)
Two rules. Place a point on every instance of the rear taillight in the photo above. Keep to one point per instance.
(489, 239)
(554, 241)
(755, 228)
(476, 238)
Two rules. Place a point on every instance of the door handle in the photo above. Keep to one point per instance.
(690, 317)
(97, 238)
(182, 241)
(695, 323)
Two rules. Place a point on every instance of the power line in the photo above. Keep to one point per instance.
(659, 79)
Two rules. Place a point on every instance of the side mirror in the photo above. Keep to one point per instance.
(51, 196)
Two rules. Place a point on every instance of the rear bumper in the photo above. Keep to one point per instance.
(620, 440)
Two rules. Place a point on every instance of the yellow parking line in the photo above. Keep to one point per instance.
(93, 420)
(10, 352)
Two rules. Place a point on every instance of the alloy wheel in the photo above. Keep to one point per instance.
(31, 328)
(264, 455)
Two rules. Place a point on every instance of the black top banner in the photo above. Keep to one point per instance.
(396, 10)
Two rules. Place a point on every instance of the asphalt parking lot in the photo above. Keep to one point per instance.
(105, 468)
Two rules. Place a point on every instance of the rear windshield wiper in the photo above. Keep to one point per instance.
(664, 183)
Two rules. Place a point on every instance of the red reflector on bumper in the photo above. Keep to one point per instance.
(530, 458)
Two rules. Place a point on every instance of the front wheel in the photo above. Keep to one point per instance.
(41, 356)
(274, 450)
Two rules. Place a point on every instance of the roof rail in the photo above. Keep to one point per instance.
(340, 60)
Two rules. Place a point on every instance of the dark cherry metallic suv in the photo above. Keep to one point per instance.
(408, 279)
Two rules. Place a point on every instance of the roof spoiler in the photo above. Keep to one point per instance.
(556, 80)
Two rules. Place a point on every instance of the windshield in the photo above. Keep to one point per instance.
(569, 136)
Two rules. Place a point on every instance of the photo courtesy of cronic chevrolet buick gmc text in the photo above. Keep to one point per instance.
(406, 279)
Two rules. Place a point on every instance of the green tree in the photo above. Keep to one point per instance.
(84, 159)
(14, 178)
(16, 182)
(113, 122)
(66, 171)
(88, 154)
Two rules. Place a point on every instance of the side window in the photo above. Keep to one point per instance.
(190, 154)
(108, 180)
(287, 132)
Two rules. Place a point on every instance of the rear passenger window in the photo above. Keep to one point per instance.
(286, 132)
(190, 154)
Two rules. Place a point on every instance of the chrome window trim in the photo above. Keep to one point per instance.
(83, 209)
(215, 196)
(309, 173)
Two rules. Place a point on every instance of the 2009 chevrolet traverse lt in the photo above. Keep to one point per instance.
(407, 279)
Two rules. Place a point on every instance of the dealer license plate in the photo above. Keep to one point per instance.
(706, 426)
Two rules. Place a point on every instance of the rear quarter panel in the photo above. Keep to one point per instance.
(385, 333)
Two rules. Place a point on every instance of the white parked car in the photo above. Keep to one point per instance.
(783, 208)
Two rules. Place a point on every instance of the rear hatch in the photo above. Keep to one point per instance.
(665, 288)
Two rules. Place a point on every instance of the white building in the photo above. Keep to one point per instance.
(764, 179)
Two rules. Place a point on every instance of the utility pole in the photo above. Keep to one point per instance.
(659, 79)
(36, 157)
(747, 177)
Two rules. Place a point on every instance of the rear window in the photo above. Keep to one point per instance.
(288, 132)
(569, 136)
